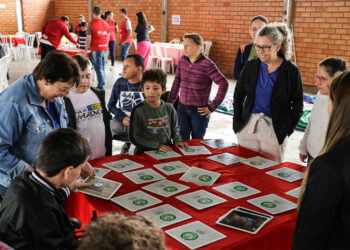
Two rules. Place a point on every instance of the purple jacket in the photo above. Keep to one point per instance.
(194, 81)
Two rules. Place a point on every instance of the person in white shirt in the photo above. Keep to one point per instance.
(87, 112)
(314, 136)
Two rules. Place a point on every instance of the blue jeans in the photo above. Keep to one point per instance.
(124, 50)
(111, 46)
(98, 59)
(191, 123)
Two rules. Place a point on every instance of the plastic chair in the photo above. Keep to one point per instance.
(27, 50)
(207, 46)
(163, 60)
(153, 58)
(4, 67)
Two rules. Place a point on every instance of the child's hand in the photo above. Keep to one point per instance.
(181, 144)
(165, 148)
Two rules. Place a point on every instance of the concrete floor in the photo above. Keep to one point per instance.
(220, 125)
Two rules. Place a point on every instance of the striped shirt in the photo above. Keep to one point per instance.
(194, 81)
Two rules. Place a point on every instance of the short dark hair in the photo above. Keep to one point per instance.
(197, 39)
(82, 61)
(57, 66)
(154, 75)
(97, 10)
(125, 11)
(65, 18)
(261, 18)
(83, 24)
(62, 148)
(333, 65)
(139, 61)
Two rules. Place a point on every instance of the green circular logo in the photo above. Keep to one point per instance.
(118, 166)
(282, 174)
(167, 217)
(222, 156)
(169, 168)
(189, 150)
(268, 204)
(140, 202)
(169, 189)
(205, 178)
(205, 200)
(96, 170)
(146, 177)
(189, 236)
(240, 188)
(159, 152)
(256, 163)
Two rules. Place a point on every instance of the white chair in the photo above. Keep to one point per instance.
(207, 46)
(4, 67)
(153, 58)
(27, 51)
(175, 41)
(163, 60)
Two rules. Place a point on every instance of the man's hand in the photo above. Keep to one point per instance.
(45, 36)
(126, 121)
(78, 183)
(165, 148)
(204, 111)
(181, 144)
(87, 170)
(302, 157)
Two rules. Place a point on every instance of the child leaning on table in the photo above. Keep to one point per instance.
(153, 122)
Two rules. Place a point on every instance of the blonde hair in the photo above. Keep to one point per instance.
(338, 131)
(116, 231)
(278, 33)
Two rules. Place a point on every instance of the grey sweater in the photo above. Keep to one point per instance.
(151, 127)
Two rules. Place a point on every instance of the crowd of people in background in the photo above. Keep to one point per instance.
(42, 154)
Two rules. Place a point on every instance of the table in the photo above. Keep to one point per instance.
(15, 40)
(71, 50)
(277, 234)
(174, 51)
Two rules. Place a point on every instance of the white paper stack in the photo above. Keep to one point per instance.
(143, 176)
(201, 199)
(123, 165)
(166, 188)
(259, 162)
(200, 176)
(135, 201)
(236, 190)
(273, 204)
(226, 158)
(173, 167)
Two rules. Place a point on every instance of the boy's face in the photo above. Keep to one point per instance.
(85, 81)
(83, 28)
(152, 91)
(130, 70)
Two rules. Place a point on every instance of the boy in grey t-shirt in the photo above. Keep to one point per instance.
(153, 124)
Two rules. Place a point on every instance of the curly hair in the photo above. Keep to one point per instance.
(279, 33)
(116, 231)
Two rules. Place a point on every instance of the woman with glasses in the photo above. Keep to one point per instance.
(194, 77)
(315, 132)
(247, 52)
(87, 111)
(324, 221)
(31, 108)
(268, 98)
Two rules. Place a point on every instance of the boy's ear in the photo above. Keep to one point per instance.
(163, 90)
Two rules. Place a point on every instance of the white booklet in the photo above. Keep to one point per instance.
(245, 220)
(236, 190)
(100, 187)
(286, 174)
(101, 171)
(195, 234)
(273, 204)
(165, 188)
(195, 150)
(143, 176)
(200, 176)
(259, 162)
(226, 158)
(201, 199)
(219, 143)
(294, 192)
(123, 165)
(165, 215)
(135, 201)
(173, 167)
(161, 155)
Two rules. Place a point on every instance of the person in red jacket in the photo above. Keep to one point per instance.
(98, 33)
(126, 38)
(52, 33)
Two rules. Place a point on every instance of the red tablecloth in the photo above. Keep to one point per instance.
(71, 51)
(171, 51)
(277, 234)
(16, 40)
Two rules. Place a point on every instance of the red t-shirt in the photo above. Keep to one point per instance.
(55, 29)
(112, 24)
(123, 32)
(99, 31)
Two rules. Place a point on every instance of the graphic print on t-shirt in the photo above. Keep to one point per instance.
(89, 112)
(157, 126)
(128, 100)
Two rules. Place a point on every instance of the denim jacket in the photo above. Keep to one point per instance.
(24, 123)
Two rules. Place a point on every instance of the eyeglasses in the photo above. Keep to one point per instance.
(264, 48)
(65, 90)
(321, 78)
